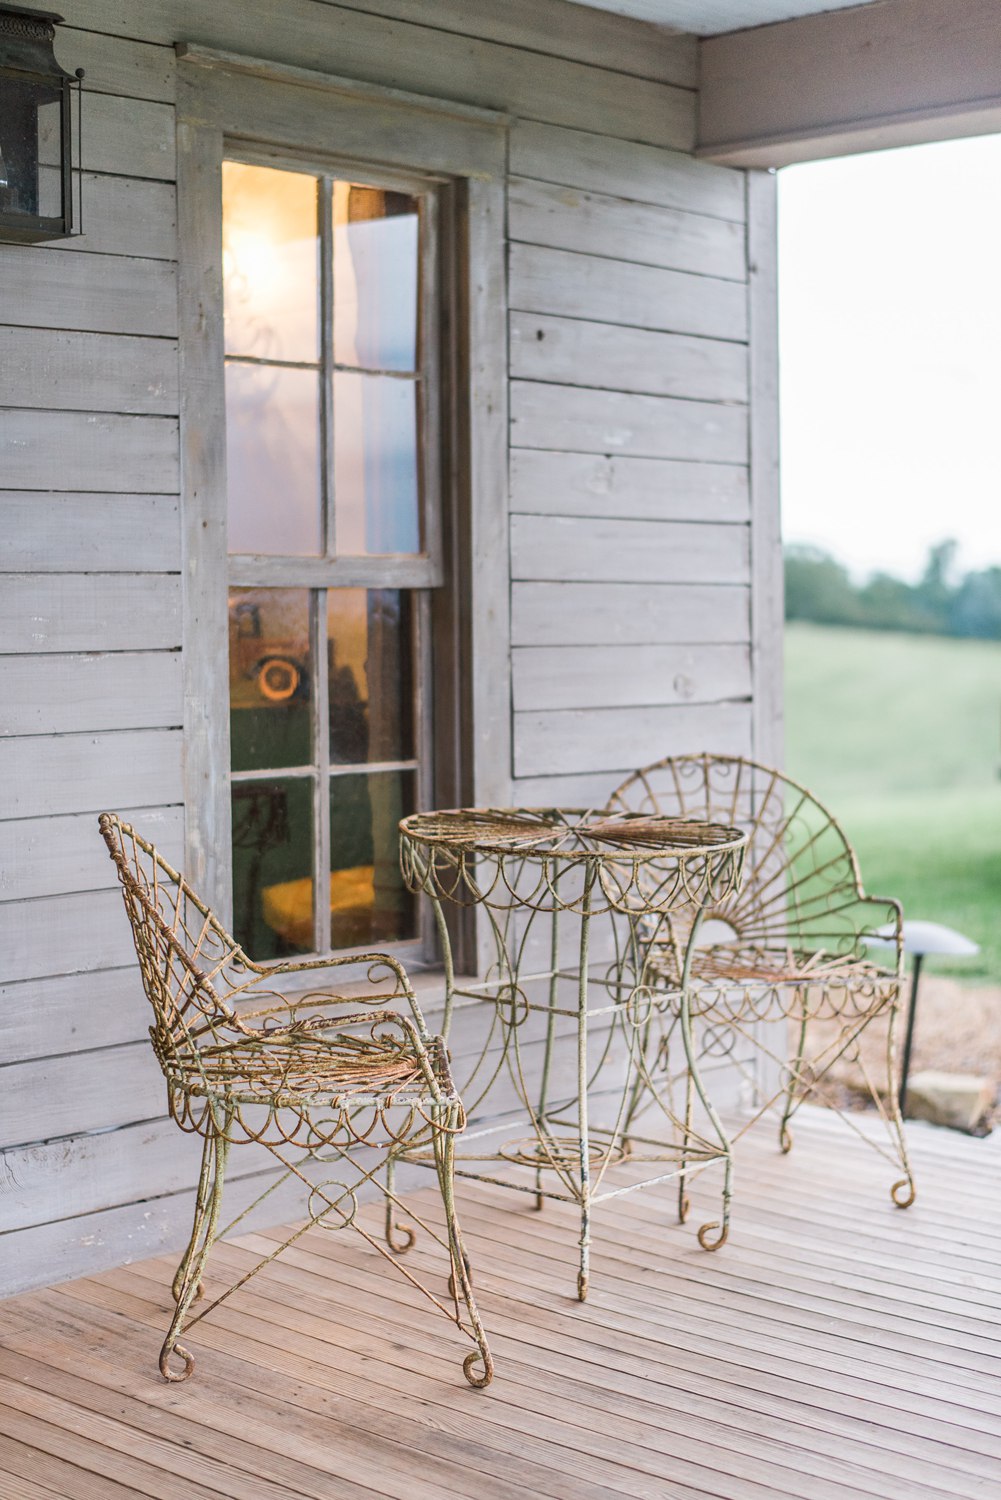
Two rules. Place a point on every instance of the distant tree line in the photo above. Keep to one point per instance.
(819, 588)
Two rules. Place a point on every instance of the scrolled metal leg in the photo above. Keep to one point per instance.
(795, 1072)
(684, 1202)
(392, 1228)
(726, 1149)
(903, 1192)
(461, 1279)
(188, 1281)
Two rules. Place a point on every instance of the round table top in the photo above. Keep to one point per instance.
(573, 835)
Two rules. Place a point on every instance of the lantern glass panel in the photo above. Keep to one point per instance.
(31, 148)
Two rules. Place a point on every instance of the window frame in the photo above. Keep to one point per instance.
(229, 104)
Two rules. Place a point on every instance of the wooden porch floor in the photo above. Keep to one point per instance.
(836, 1348)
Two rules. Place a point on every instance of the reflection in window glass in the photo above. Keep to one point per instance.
(270, 263)
(375, 464)
(272, 867)
(368, 900)
(273, 460)
(375, 277)
(269, 679)
(370, 679)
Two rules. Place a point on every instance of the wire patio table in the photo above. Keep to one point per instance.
(566, 1028)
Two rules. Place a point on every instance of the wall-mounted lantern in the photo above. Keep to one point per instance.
(36, 138)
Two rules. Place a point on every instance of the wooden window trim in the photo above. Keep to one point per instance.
(268, 106)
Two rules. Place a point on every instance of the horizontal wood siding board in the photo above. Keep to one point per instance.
(68, 532)
(59, 1096)
(58, 370)
(553, 677)
(590, 790)
(558, 282)
(69, 773)
(581, 550)
(63, 935)
(581, 614)
(582, 740)
(56, 856)
(89, 612)
(599, 164)
(61, 694)
(422, 59)
(49, 450)
(569, 351)
(129, 137)
(44, 288)
(125, 216)
(585, 484)
(117, 65)
(570, 419)
(95, 1172)
(46, 1017)
(567, 218)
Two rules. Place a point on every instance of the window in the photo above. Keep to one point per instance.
(332, 459)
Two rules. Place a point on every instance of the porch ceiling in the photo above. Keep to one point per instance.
(712, 17)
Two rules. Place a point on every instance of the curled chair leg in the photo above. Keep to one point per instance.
(795, 1072)
(461, 1280)
(399, 1246)
(684, 1202)
(187, 1285)
(903, 1192)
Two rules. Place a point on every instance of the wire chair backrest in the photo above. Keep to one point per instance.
(801, 886)
(186, 956)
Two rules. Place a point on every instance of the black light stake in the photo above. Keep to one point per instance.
(36, 136)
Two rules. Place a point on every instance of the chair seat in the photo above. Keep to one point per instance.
(309, 1068)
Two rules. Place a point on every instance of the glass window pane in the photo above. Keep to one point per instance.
(370, 665)
(269, 679)
(368, 900)
(272, 867)
(375, 464)
(273, 460)
(269, 260)
(376, 248)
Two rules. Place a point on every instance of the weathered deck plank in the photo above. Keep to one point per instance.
(836, 1347)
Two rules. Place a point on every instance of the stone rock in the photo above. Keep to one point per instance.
(959, 1100)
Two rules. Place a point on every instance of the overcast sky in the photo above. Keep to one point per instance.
(890, 309)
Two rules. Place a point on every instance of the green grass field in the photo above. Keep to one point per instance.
(900, 735)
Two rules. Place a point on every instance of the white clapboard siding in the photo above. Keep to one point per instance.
(48, 450)
(98, 293)
(55, 370)
(73, 1012)
(586, 159)
(97, 1090)
(586, 740)
(54, 856)
(580, 614)
(615, 291)
(571, 351)
(125, 216)
(423, 59)
(115, 65)
(69, 773)
(130, 137)
(567, 218)
(581, 550)
(57, 694)
(577, 420)
(96, 1172)
(64, 935)
(585, 484)
(89, 612)
(590, 36)
(590, 790)
(626, 676)
(46, 533)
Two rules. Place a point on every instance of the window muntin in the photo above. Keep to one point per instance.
(329, 348)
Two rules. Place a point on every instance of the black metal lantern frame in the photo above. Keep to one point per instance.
(36, 135)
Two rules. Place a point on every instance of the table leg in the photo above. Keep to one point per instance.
(583, 1127)
(695, 1077)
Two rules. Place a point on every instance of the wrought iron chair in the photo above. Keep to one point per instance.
(314, 1077)
(782, 979)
